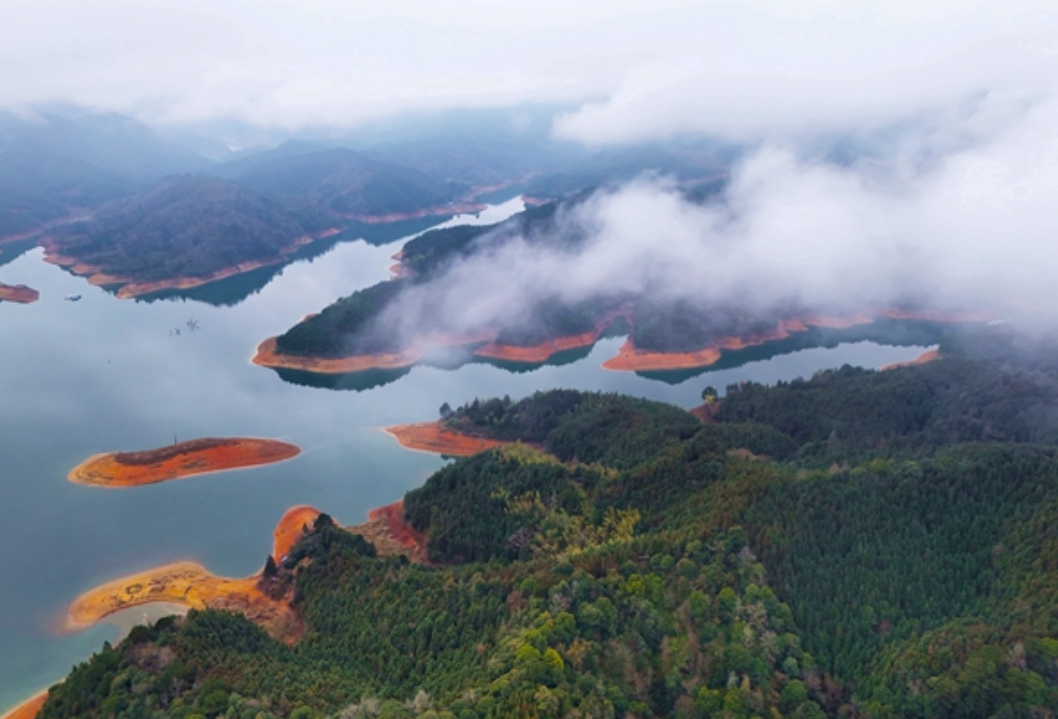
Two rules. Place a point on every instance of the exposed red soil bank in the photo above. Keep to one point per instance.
(266, 356)
(632, 359)
(28, 709)
(536, 354)
(391, 516)
(291, 528)
(130, 287)
(18, 293)
(260, 599)
(198, 456)
(435, 437)
(190, 585)
(928, 356)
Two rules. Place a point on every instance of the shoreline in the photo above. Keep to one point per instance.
(188, 584)
(28, 709)
(21, 294)
(628, 359)
(187, 459)
(130, 287)
(266, 356)
(924, 358)
(632, 359)
(191, 585)
(458, 208)
(435, 438)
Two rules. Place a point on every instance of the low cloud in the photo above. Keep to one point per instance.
(959, 216)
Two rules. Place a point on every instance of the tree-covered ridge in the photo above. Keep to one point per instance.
(674, 326)
(186, 226)
(344, 181)
(625, 559)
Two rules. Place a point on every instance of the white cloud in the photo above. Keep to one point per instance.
(743, 70)
(965, 225)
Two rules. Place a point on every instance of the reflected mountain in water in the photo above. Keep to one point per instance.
(884, 332)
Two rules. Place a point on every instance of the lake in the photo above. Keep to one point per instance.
(102, 374)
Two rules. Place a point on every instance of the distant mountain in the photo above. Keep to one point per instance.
(53, 163)
(692, 163)
(340, 180)
(187, 226)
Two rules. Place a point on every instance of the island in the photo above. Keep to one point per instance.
(18, 293)
(397, 323)
(176, 461)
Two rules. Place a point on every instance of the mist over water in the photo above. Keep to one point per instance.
(956, 216)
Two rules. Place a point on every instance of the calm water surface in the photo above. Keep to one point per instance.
(102, 374)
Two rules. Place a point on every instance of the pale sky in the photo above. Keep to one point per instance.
(743, 70)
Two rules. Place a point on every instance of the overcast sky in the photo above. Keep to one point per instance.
(745, 70)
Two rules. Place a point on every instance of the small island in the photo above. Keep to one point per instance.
(18, 293)
(185, 459)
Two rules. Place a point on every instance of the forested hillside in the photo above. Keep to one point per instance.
(365, 319)
(186, 226)
(857, 544)
(342, 181)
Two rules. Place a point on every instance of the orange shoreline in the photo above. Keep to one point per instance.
(632, 359)
(257, 597)
(434, 437)
(29, 708)
(925, 357)
(130, 287)
(190, 585)
(267, 356)
(18, 293)
(186, 459)
(291, 528)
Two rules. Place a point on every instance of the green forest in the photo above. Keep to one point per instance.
(187, 226)
(855, 544)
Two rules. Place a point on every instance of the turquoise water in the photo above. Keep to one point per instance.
(102, 374)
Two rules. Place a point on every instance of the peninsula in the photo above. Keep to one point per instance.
(176, 461)
(437, 438)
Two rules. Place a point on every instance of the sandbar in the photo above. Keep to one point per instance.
(18, 293)
(436, 438)
(29, 708)
(190, 585)
(130, 287)
(925, 357)
(267, 356)
(198, 456)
